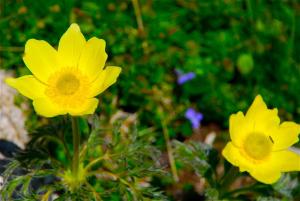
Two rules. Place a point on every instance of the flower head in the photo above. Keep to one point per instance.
(260, 144)
(194, 117)
(184, 77)
(66, 80)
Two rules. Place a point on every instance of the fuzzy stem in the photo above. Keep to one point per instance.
(76, 144)
(170, 151)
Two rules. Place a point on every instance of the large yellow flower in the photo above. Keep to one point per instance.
(260, 143)
(65, 81)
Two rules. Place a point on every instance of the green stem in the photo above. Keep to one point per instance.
(252, 188)
(228, 178)
(76, 144)
(170, 151)
(106, 156)
(91, 164)
(138, 15)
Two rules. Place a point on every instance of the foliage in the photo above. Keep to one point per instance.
(193, 156)
(118, 166)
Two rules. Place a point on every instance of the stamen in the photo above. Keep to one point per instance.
(258, 146)
(68, 87)
(67, 84)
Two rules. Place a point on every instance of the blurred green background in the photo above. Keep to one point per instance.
(237, 49)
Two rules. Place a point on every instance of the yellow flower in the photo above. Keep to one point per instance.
(260, 143)
(65, 81)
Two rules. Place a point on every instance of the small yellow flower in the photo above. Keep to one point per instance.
(260, 143)
(65, 81)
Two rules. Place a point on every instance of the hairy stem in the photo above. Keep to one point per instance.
(76, 144)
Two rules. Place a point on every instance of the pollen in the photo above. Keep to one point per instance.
(68, 87)
(258, 146)
(67, 84)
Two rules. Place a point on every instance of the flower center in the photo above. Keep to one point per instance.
(68, 87)
(67, 84)
(258, 146)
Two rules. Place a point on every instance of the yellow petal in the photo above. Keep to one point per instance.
(239, 128)
(234, 156)
(106, 78)
(262, 118)
(28, 86)
(266, 176)
(93, 57)
(258, 105)
(40, 58)
(46, 108)
(88, 107)
(285, 161)
(70, 46)
(286, 135)
(280, 161)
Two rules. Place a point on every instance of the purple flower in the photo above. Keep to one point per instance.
(184, 77)
(194, 117)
